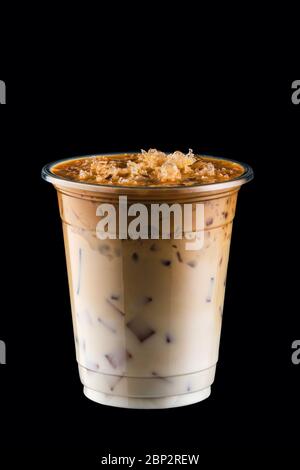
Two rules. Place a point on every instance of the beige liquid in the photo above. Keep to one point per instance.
(147, 314)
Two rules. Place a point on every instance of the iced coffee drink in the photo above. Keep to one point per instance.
(147, 305)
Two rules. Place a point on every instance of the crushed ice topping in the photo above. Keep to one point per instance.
(149, 168)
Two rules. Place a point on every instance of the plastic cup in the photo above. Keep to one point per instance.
(147, 313)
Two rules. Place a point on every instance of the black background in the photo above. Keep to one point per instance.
(255, 398)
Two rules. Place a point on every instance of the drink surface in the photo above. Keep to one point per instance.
(152, 168)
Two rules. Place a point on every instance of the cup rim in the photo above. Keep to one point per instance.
(51, 177)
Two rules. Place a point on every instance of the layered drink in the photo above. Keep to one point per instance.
(147, 303)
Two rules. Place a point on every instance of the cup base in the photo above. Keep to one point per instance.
(175, 401)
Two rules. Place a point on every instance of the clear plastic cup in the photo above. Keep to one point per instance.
(147, 313)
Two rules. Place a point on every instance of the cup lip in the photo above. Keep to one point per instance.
(47, 175)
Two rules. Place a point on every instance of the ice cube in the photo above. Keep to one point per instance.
(210, 290)
(140, 328)
(118, 358)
